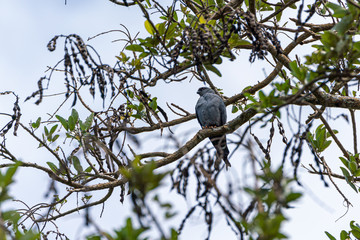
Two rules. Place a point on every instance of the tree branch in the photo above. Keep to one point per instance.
(194, 141)
(330, 100)
(102, 200)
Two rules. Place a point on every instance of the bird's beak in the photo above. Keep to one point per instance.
(198, 92)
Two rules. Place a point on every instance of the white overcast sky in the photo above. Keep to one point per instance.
(27, 26)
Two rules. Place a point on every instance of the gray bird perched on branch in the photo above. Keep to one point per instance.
(211, 112)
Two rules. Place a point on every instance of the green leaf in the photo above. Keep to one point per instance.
(130, 93)
(63, 122)
(68, 135)
(250, 97)
(339, 11)
(329, 39)
(37, 123)
(262, 96)
(153, 103)
(354, 227)
(11, 215)
(213, 69)
(140, 107)
(234, 109)
(171, 30)
(7, 179)
(325, 145)
(236, 41)
(53, 167)
(169, 214)
(137, 115)
(77, 164)
(144, 55)
(220, 3)
(296, 71)
(75, 115)
(123, 58)
(330, 236)
(88, 121)
(341, 46)
(53, 129)
(46, 131)
(71, 123)
(356, 45)
(278, 16)
(344, 161)
(325, 87)
(175, 16)
(135, 48)
(93, 237)
(344, 235)
(28, 234)
(353, 166)
(356, 233)
(348, 178)
(161, 28)
(293, 6)
(174, 234)
(149, 27)
(55, 137)
(293, 196)
(320, 137)
(201, 19)
(309, 137)
(345, 172)
(218, 61)
(357, 173)
(344, 24)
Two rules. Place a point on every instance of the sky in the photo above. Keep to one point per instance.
(27, 26)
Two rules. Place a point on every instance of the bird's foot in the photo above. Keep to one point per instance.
(209, 127)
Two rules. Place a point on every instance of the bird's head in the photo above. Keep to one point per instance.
(203, 90)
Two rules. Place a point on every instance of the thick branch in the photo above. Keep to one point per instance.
(199, 136)
(330, 100)
(204, 133)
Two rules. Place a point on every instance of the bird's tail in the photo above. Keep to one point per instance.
(222, 150)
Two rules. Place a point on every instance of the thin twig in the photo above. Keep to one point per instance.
(353, 121)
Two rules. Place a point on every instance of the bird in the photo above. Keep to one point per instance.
(210, 112)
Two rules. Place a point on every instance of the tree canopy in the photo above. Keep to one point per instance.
(92, 153)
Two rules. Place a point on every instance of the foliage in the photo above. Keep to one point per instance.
(274, 196)
(344, 235)
(10, 225)
(142, 181)
(92, 150)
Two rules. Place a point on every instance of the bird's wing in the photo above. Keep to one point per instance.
(217, 110)
(199, 110)
(222, 112)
